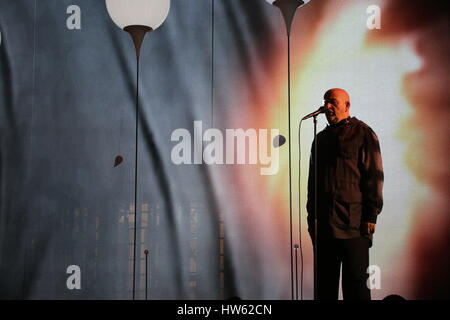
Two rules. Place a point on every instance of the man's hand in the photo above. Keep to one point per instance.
(368, 227)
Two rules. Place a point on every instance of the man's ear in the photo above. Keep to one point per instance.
(347, 104)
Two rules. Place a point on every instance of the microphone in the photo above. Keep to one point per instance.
(315, 113)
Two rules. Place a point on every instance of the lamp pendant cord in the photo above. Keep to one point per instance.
(290, 188)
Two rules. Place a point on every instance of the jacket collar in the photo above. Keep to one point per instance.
(340, 123)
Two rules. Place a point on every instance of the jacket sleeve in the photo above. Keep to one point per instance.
(311, 190)
(372, 178)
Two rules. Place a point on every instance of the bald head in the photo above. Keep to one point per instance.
(338, 92)
(337, 105)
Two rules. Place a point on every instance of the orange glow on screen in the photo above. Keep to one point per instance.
(373, 73)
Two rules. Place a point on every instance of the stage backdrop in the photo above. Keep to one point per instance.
(212, 231)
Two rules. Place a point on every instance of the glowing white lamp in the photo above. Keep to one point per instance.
(150, 13)
(138, 17)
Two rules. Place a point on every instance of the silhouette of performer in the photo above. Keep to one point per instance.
(349, 199)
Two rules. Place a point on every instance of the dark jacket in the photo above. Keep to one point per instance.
(349, 180)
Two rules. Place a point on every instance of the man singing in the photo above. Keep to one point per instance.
(349, 199)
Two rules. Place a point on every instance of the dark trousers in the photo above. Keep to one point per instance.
(353, 254)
